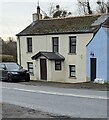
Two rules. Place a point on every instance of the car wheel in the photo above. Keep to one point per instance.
(10, 78)
(27, 79)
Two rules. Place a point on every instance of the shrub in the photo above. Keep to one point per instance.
(6, 58)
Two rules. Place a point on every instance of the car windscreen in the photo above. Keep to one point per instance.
(2, 66)
(12, 66)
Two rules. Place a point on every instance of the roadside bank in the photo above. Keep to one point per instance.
(86, 85)
(14, 111)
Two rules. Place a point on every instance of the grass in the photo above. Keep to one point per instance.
(84, 85)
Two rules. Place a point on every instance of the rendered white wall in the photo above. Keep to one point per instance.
(44, 43)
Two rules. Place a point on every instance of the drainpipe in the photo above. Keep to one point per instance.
(18, 38)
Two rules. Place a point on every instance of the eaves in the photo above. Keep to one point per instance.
(61, 33)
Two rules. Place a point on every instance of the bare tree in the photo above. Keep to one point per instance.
(51, 9)
(88, 7)
(10, 39)
(107, 6)
(84, 7)
(60, 12)
(56, 11)
(103, 7)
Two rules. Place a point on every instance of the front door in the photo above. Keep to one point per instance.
(43, 69)
(93, 68)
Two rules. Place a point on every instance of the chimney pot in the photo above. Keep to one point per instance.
(38, 15)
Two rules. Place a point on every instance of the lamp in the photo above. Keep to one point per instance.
(92, 54)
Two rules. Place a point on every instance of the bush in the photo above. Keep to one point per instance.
(6, 58)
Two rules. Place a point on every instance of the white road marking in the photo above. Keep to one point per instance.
(58, 93)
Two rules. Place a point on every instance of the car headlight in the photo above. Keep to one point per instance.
(14, 72)
(27, 72)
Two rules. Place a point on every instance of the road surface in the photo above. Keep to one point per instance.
(68, 102)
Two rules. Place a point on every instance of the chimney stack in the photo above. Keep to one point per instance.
(38, 15)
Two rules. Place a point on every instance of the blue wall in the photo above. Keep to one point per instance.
(108, 54)
(98, 46)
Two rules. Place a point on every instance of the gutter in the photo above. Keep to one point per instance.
(53, 33)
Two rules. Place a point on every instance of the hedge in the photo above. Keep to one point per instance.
(6, 58)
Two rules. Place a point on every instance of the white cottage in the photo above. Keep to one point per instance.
(55, 49)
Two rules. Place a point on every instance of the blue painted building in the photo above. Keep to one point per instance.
(98, 56)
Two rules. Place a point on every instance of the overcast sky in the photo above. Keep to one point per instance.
(15, 15)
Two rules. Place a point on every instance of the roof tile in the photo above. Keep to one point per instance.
(65, 25)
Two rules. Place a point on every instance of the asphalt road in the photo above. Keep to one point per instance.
(68, 102)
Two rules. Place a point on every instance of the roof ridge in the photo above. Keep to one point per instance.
(72, 17)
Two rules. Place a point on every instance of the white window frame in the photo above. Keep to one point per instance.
(72, 72)
(30, 68)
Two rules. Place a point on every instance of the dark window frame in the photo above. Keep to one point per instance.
(30, 68)
(29, 44)
(58, 65)
(55, 44)
(72, 44)
(70, 70)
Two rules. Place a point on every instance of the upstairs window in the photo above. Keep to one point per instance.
(72, 70)
(57, 65)
(29, 44)
(72, 44)
(55, 44)
(30, 67)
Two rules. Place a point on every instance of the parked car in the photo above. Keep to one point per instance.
(12, 71)
(3, 72)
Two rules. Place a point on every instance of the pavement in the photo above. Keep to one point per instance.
(85, 85)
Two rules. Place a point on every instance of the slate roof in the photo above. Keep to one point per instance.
(80, 24)
(48, 55)
(101, 20)
(105, 28)
(106, 23)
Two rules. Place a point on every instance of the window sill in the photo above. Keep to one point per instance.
(72, 54)
(72, 77)
(58, 70)
(29, 52)
(31, 74)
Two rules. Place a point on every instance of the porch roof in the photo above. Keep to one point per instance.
(48, 55)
